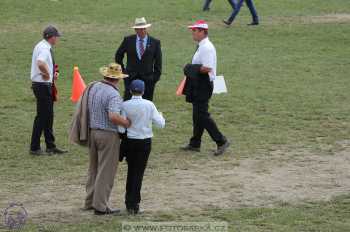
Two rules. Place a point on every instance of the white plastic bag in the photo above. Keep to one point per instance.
(219, 85)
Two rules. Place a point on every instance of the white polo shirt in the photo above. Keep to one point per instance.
(41, 52)
(206, 56)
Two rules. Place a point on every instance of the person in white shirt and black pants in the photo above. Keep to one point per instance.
(205, 57)
(42, 76)
(142, 113)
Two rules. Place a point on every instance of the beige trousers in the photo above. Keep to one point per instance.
(104, 158)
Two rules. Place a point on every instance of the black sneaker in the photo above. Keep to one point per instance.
(107, 212)
(36, 152)
(190, 148)
(55, 151)
(221, 149)
(226, 22)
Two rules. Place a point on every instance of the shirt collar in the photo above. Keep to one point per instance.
(136, 97)
(203, 41)
(144, 39)
(47, 43)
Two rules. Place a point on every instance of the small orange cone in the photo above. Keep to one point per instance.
(78, 85)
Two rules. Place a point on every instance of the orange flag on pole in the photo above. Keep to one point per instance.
(78, 86)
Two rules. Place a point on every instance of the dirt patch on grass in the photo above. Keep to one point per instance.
(189, 182)
(310, 19)
(329, 18)
(291, 177)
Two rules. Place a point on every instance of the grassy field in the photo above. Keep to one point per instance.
(287, 113)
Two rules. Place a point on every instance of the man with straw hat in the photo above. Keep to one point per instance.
(144, 59)
(103, 104)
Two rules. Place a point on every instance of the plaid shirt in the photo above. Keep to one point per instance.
(103, 99)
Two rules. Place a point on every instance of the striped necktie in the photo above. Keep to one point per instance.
(141, 47)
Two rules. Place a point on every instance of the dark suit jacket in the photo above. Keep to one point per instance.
(149, 68)
(198, 87)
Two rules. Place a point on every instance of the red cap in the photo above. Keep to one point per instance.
(202, 24)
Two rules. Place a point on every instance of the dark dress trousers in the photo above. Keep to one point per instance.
(198, 90)
(43, 121)
(148, 69)
(137, 154)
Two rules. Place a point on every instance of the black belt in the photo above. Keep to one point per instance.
(42, 83)
(148, 140)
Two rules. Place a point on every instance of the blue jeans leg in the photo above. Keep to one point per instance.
(235, 12)
(232, 3)
(252, 10)
(206, 4)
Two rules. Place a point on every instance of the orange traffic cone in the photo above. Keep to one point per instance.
(78, 85)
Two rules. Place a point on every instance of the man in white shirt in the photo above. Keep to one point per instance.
(206, 57)
(42, 76)
(142, 113)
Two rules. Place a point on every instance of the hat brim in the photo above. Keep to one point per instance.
(104, 72)
(197, 27)
(142, 26)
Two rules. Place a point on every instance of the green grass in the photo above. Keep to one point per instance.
(288, 86)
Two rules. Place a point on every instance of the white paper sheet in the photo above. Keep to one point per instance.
(219, 85)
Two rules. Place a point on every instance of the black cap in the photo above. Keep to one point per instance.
(50, 31)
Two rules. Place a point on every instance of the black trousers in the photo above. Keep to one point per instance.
(43, 121)
(203, 121)
(149, 88)
(137, 154)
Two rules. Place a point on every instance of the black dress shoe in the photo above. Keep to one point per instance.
(206, 9)
(36, 152)
(107, 212)
(135, 210)
(254, 23)
(228, 23)
(221, 149)
(55, 151)
(190, 148)
(130, 211)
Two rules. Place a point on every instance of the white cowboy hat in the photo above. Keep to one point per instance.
(113, 71)
(141, 23)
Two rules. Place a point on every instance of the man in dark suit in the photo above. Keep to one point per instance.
(236, 10)
(144, 59)
(206, 6)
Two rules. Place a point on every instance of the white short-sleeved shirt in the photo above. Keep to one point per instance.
(41, 52)
(206, 56)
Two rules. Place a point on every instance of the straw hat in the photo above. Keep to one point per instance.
(141, 23)
(113, 71)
